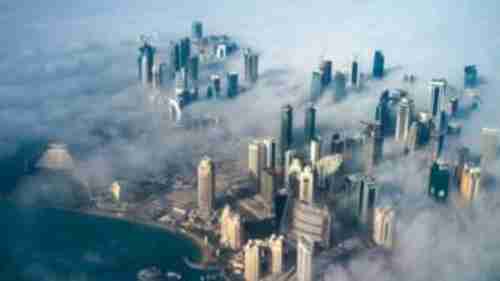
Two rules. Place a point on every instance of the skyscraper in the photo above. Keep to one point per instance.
(382, 114)
(412, 143)
(256, 161)
(326, 72)
(378, 65)
(185, 52)
(206, 186)
(232, 84)
(216, 84)
(251, 61)
(373, 146)
(193, 70)
(286, 136)
(145, 63)
(361, 194)
(252, 261)
(489, 150)
(307, 186)
(268, 190)
(337, 144)
(470, 185)
(439, 181)
(470, 77)
(276, 243)
(197, 30)
(270, 147)
(340, 86)
(438, 89)
(315, 150)
(403, 119)
(384, 227)
(316, 85)
(310, 124)
(354, 74)
(305, 253)
(232, 233)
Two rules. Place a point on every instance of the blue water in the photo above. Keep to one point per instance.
(49, 244)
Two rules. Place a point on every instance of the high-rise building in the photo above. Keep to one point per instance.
(253, 261)
(286, 136)
(384, 225)
(307, 186)
(470, 77)
(197, 30)
(232, 85)
(470, 184)
(439, 95)
(216, 84)
(310, 124)
(489, 152)
(354, 74)
(453, 107)
(185, 52)
(378, 65)
(340, 86)
(193, 70)
(206, 186)
(251, 61)
(316, 86)
(361, 197)
(463, 156)
(256, 160)
(412, 143)
(439, 181)
(353, 154)
(270, 147)
(403, 119)
(145, 63)
(373, 146)
(337, 144)
(263, 257)
(268, 190)
(326, 72)
(425, 121)
(159, 70)
(315, 150)
(276, 244)
(305, 254)
(382, 114)
(232, 233)
(174, 56)
(329, 172)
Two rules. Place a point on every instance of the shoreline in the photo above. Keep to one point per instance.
(205, 255)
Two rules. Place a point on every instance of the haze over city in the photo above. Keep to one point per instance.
(69, 82)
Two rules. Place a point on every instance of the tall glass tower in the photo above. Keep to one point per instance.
(286, 137)
(378, 65)
(310, 124)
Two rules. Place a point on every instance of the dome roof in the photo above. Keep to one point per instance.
(56, 157)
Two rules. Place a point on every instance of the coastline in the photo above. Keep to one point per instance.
(205, 255)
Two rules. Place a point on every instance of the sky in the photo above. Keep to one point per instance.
(68, 72)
